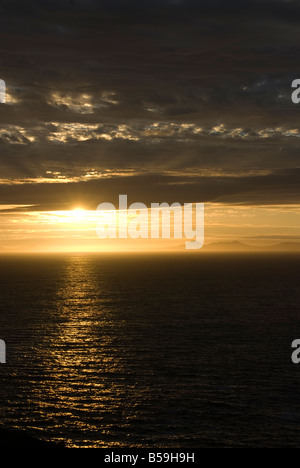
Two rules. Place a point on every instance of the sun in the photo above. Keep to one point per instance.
(78, 213)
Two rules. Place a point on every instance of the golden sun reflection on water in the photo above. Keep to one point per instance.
(84, 359)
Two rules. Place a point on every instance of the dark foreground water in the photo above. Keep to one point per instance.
(151, 351)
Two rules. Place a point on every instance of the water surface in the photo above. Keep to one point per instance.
(151, 351)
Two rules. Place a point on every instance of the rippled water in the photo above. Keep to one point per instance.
(151, 351)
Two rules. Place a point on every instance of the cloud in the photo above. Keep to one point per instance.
(182, 98)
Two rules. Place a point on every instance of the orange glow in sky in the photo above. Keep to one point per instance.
(75, 230)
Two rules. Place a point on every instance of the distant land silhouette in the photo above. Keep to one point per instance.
(237, 246)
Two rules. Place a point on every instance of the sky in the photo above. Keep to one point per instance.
(166, 101)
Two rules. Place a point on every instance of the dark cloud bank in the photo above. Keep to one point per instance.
(163, 100)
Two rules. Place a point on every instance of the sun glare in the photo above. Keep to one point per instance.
(78, 213)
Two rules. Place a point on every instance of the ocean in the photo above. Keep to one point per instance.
(187, 350)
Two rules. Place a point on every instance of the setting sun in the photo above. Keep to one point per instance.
(78, 213)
